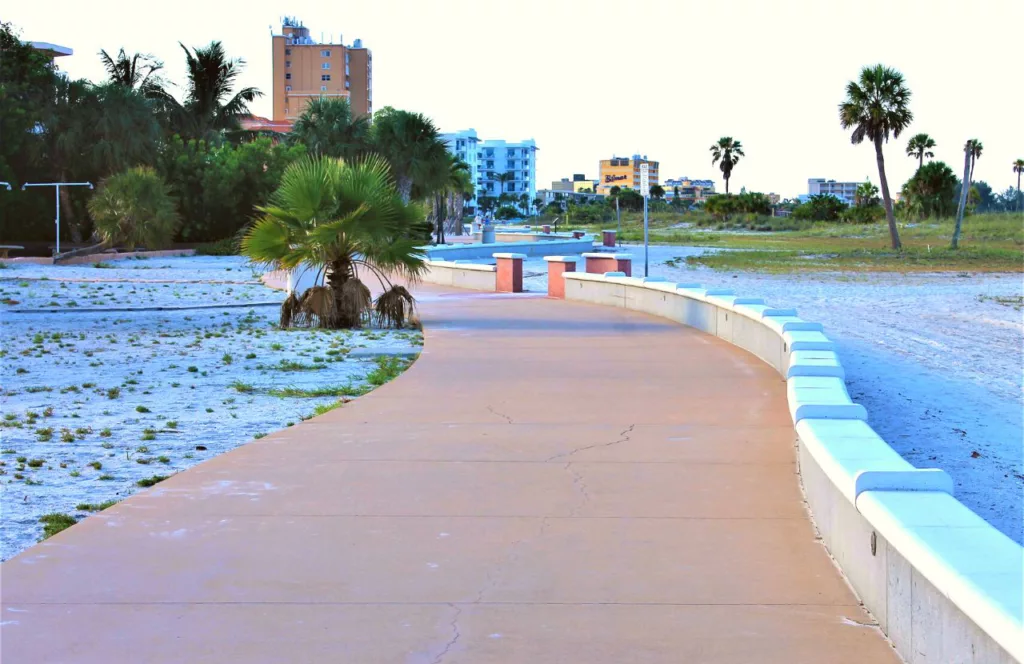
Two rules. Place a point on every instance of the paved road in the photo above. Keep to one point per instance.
(550, 482)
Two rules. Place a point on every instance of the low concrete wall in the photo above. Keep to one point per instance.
(101, 257)
(462, 275)
(545, 248)
(944, 585)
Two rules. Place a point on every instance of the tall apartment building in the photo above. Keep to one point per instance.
(305, 69)
(844, 191)
(624, 172)
(489, 159)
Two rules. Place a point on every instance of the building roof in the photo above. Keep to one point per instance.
(257, 123)
(53, 50)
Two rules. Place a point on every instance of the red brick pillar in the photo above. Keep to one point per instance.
(557, 266)
(608, 238)
(576, 235)
(599, 263)
(510, 272)
(546, 228)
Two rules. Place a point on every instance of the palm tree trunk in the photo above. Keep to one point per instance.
(1019, 207)
(964, 187)
(727, 183)
(405, 188)
(894, 235)
(68, 213)
(920, 164)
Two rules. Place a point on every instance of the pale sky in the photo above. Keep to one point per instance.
(592, 79)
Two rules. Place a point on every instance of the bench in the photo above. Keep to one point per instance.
(4, 248)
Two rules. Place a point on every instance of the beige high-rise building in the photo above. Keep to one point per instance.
(305, 69)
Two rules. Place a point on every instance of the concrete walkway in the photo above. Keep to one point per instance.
(550, 482)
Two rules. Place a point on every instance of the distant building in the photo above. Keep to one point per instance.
(624, 172)
(844, 191)
(565, 184)
(578, 183)
(694, 191)
(52, 50)
(549, 196)
(258, 123)
(489, 159)
(306, 69)
(774, 198)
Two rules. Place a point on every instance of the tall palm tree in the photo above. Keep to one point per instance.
(876, 106)
(727, 151)
(339, 218)
(327, 127)
(501, 179)
(450, 181)
(412, 146)
(976, 148)
(919, 147)
(209, 107)
(1018, 168)
(972, 150)
(137, 72)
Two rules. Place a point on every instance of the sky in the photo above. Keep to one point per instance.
(593, 79)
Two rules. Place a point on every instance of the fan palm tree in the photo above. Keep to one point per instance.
(972, 150)
(209, 107)
(327, 127)
(876, 106)
(728, 152)
(976, 148)
(412, 146)
(501, 179)
(340, 218)
(1018, 168)
(135, 208)
(137, 72)
(866, 194)
(450, 182)
(919, 147)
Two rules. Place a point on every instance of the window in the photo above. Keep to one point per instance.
(346, 57)
(325, 54)
(346, 69)
(287, 51)
(347, 85)
(325, 77)
(287, 77)
(326, 65)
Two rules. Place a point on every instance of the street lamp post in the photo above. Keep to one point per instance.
(56, 190)
(645, 189)
(6, 184)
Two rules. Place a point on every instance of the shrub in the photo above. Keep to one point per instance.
(866, 214)
(226, 247)
(134, 208)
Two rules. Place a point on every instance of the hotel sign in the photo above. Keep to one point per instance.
(614, 178)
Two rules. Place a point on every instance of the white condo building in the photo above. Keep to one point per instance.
(844, 191)
(488, 159)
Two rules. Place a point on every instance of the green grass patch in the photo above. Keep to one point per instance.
(96, 507)
(150, 481)
(55, 522)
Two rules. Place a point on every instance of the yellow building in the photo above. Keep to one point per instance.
(624, 172)
(305, 69)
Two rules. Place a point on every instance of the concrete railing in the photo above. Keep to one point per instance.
(461, 275)
(944, 585)
(471, 251)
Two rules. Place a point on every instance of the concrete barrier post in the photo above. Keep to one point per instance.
(546, 228)
(510, 273)
(599, 263)
(608, 238)
(576, 235)
(557, 266)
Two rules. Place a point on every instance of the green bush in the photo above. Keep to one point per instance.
(134, 208)
(226, 247)
(507, 212)
(865, 214)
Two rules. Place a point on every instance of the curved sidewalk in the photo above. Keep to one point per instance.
(549, 482)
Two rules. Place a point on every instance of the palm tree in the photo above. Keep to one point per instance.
(209, 107)
(338, 218)
(1018, 168)
(450, 182)
(976, 148)
(727, 151)
(657, 191)
(327, 127)
(138, 72)
(524, 203)
(972, 150)
(919, 147)
(501, 179)
(135, 208)
(412, 146)
(875, 107)
(866, 193)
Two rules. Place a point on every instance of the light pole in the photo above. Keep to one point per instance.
(6, 184)
(56, 190)
(645, 189)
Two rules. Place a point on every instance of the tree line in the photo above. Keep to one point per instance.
(216, 174)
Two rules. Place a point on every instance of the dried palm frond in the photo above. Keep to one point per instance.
(354, 301)
(318, 306)
(394, 307)
(288, 310)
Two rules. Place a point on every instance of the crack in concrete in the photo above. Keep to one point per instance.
(492, 579)
(624, 437)
(503, 415)
(580, 485)
(455, 636)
